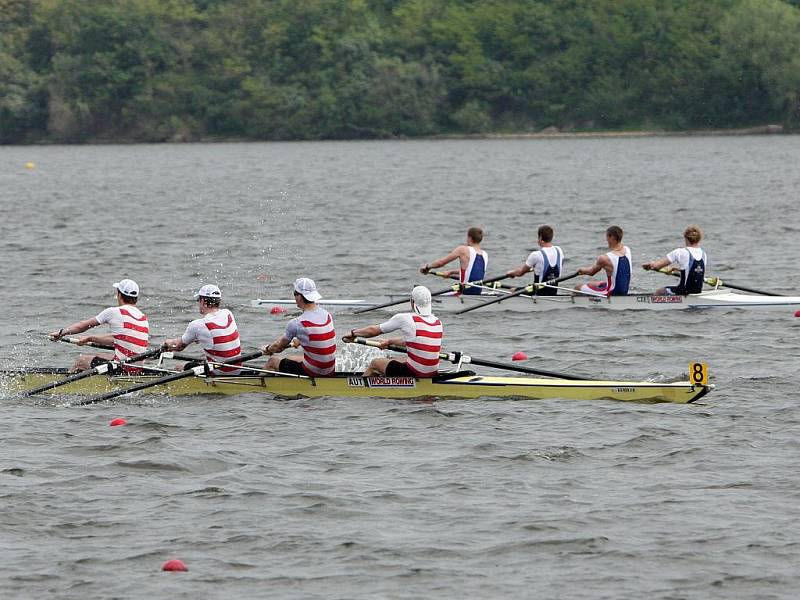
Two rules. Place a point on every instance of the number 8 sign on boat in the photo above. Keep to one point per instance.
(698, 373)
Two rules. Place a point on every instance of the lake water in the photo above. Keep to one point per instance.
(368, 498)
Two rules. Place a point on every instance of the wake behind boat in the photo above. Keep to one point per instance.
(527, 303)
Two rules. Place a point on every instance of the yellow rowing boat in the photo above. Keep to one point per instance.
(451, 385)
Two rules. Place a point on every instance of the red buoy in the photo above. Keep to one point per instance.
(797, 313)
(277, 310)
(174, 564)
(519, 356)
(118, 421)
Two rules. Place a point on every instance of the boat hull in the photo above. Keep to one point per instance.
(451, 303)
(354, 385)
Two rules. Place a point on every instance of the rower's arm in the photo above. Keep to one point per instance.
(459, 252)
(78, 327)
(602, 263)
(519, 271)
(277, 346)
(365, 332)
(655, 265)
(106, 339)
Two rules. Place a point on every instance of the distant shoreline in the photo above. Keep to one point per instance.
(546, 134)
(551, 133)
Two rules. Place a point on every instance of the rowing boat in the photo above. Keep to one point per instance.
(525, 303)
(463, 384)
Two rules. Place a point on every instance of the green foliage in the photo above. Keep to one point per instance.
(160, 70)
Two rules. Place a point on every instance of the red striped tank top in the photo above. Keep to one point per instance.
(424, 348)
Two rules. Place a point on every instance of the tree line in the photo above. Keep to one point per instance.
(161, 70)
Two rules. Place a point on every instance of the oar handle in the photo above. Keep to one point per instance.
(195, 371)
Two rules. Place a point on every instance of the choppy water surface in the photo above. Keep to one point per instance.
(359, 498)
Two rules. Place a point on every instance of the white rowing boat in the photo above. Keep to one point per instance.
(452, 302)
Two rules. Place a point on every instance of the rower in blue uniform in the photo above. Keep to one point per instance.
(691, 261)
(546, 263)
(472, 261)
(617, 265)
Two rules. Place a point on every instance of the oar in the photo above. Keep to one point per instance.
(98, 370)
(444, 275)
(459, 358)
(196, 371)
(175, 355)
(525, 290)
(439, 293)
(716, 281)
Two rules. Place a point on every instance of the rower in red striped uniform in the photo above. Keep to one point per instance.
(314, 332)
(130, 330)
(422, 337)
(215, 331)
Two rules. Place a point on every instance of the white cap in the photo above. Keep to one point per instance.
(128, 287)
(421, 296)
(307, 289)
(208, 291)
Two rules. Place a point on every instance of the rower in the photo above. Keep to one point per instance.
(691, 261)
(617, 265)
(130, 330)
(472, 261)
(546, 263)
(215, 331)
(422, 337)
(314, 333)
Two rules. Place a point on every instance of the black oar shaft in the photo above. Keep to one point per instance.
(408, 297)
(98, 370)
(517, 293)
(716, 281)
(522, 369)
(175, 355)
(458, 357)
(163, 380)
